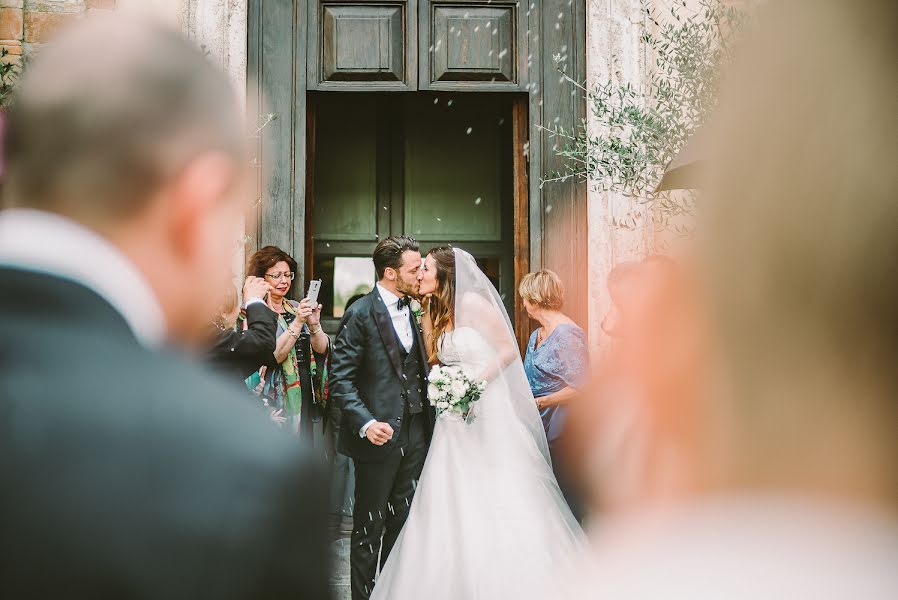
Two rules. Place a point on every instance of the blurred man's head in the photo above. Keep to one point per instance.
(126, 128)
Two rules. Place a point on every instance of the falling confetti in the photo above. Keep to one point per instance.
(449, 103)
(503, 53)
(478, 201)
(468, 132)
(548, 208)
(436, 100)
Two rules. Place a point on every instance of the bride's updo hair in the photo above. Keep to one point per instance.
(441, 304)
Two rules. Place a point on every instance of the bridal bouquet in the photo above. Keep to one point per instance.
(452, 392)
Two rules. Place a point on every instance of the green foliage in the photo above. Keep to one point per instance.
(636, 131)
(9, 74)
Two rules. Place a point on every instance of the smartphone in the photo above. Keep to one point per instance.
(312, 295)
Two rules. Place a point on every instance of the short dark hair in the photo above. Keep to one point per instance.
(389, 251)
(265, 258)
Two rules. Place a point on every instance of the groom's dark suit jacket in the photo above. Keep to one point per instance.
(367, 376)
(132, 473)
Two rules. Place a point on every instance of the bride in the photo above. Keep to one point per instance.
(488, 520)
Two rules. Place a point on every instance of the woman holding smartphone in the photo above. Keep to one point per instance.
(295, 377)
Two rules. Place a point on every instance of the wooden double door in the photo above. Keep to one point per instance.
(438, 167)
(418, 117)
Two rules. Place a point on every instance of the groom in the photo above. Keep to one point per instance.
(379, 373)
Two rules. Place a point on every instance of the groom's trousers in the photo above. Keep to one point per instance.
(383, 497)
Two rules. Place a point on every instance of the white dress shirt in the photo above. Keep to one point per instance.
(43, 242)
(399, 316)
(401, 324)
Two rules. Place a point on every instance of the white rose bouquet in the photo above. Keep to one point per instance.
(452, 392)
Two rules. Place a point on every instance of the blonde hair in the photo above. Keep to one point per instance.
(542, 288)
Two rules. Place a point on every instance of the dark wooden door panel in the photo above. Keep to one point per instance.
(362, 45)
(345, 169)
(453, 190)
(472, 46)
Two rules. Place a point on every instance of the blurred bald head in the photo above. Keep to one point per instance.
(107, 113)
(124, 127)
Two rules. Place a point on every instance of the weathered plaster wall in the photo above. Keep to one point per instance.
(613, 51)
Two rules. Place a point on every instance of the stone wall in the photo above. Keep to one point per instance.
(26, 24)
(613, 51)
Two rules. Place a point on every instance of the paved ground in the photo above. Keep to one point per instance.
(340, 562)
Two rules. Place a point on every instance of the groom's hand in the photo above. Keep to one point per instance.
(379, 433)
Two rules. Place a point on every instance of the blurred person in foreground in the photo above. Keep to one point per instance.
(242, 351)
(767, 375)
(556, 364)
(129, 471)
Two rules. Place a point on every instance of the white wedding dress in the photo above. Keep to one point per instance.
(488, 520)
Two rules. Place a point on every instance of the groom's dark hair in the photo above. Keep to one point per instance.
(389, 251)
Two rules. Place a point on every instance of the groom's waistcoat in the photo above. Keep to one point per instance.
(413, 378)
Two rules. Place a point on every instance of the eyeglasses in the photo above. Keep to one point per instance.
(277, 276)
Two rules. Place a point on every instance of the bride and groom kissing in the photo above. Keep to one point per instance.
(488, 519)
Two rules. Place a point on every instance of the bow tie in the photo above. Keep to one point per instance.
(403, 302)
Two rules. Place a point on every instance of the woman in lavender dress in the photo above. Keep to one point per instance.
(556, 363)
